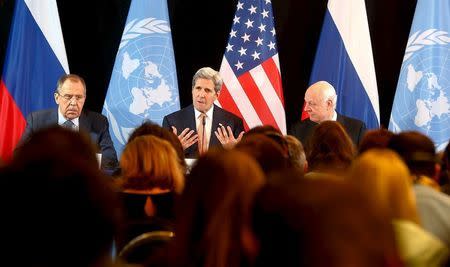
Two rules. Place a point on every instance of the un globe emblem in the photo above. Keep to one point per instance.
(422, 98)
(144, 81)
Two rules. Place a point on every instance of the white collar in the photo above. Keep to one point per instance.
(208, 113)
(334, 118)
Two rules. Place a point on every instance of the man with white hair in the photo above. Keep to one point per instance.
(320, 104)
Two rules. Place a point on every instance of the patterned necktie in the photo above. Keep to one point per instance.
(69, 124)
(202, 146)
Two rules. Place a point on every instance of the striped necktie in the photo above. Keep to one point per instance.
(69, 124)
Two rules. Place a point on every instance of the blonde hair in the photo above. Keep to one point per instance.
(150, 162)
(385, 180)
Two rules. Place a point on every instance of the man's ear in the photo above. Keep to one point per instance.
(329, 104)
(56, 96)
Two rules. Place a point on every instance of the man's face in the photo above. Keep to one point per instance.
(70, 99)
(318, 108)
(203, 94)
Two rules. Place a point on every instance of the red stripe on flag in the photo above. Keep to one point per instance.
(273, 74)
(257, 100)
(305, 114)
(228, 103)
(12, 123)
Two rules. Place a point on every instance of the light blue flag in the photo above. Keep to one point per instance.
(344, 59)
(421, 101)
(144, 83)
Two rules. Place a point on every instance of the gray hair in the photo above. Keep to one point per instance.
(73, 78)
(208, 74)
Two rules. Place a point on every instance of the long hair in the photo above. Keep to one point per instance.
(214, 208)
(329, 147)
(148, 162)
(385, 179)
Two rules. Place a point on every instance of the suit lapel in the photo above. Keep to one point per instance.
(217, 118)
(191, 119)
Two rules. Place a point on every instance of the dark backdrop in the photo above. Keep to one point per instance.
(92, 31)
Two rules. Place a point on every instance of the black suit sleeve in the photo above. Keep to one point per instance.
(28, 129)
(166, 124)
(238, 127)
(109, 155)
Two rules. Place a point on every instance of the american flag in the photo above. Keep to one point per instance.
(250, 68)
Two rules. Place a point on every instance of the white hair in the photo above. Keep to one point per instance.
(328, 92)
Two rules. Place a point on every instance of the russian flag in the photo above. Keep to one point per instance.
(35, 59)
(344, 59)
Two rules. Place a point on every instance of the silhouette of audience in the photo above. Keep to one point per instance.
(58, 209)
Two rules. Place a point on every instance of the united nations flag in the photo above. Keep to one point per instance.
(144, 83)
(421, 101)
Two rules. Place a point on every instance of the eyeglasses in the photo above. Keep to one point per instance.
(68, 97)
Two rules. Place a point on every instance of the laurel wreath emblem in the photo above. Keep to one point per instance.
(419, 40)
(137, 28)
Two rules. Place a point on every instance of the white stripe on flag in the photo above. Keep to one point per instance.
(277, 62)
(239, 96)
(270, 96)
(45, 13)
(350, 18)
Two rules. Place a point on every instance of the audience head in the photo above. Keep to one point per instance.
(418, 152)
(271, 132)
(320, 222)
(385, 180)
(206, 85)
(377, 138)
(70, 95)
(214, 209)
(329, 148)
(297, 155)
(267, 152)
(320, 101)
(59, 208)
(57, 140)
(149, 162)
(150, 128)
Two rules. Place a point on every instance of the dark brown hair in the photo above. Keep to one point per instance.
(329, 147)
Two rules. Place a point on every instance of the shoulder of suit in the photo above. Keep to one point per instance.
(352, 120)
(93, 115)
(303, 123)
(179, 112)
(43, 112)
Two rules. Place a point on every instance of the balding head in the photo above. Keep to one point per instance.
(320, 101)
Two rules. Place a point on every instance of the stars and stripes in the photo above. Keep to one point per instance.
(250, 67)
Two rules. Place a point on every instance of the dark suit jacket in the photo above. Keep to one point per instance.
(93, 123)
(185, 118)
(355, 129)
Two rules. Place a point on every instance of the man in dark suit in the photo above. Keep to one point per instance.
(70, 96)
(320, 104)
(197, 122)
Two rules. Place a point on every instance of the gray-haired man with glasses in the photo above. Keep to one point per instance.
(70, 96)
